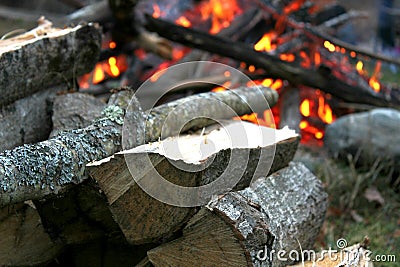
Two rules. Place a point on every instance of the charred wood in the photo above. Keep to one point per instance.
(357, 91)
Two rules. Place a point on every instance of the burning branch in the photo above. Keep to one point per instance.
(346, 88)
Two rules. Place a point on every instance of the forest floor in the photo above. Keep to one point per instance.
(361, 203)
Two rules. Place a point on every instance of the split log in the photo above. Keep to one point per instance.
(24, 241)
(283, 212)
(201, 160)
(46, 56)
(34, 171)
(358, 91)
(27, 120)
(74, 111)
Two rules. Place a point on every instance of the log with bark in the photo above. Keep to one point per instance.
(356, 91)
(36, 170)
(27, 120)
(278, 214)
(74, 111)
(217, 158)
(46, 56)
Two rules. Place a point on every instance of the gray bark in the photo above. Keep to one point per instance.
(33, 171)
(133, 209)
(193, 111)
(27, 120)
(46, 60)
(275, 213)
(74, 111)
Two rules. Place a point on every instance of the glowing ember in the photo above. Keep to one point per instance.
(305, 108)
(319, 135)
(223, 87)
(374, 84)
(277, 84)
(373, 81)
(287, 57)
(112, 45)
(359, 67)
(303, 125)
(112, 61)
(252, 68)
(293, 6)
(324, 111)
(265, 43)
(183, 22)
(267, 82)
(160, 71)
(156, 11)
(98, 75)
(221, 13)
(328, 45)
(317, 58)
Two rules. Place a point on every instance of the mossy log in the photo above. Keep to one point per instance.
(249, 228)
(36, 170)
(203, 158)
(27, 120)
(46, 56)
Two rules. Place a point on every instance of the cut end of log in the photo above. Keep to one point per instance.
(249, 227)
(195, 148)
(149, 173)
(44, 30)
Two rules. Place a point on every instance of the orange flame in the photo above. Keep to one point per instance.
(287, 57)
(183, 22)
(98, 75)
(317, 58)
(112, 45)
(373, 81)
(305, 108)
(221, 13)
(324, 111)
(328, 45)
(293, 6)
(265, 43)
(112, 61)
(156, 11)
(359, 67)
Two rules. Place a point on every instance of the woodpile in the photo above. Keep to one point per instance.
(102, 182)
(79, 194)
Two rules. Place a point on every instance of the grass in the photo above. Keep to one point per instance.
(350, 215)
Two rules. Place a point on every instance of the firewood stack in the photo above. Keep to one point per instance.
(79, 198)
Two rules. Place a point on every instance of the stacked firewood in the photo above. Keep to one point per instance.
(75, 198)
